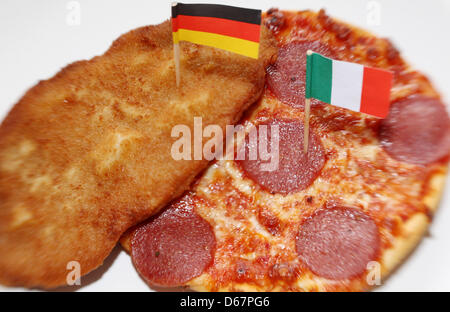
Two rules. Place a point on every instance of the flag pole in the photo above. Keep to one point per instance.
(306, 120)
(176, 55)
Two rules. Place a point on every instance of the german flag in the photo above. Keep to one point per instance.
(225, 27)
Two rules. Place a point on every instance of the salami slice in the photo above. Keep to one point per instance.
(286, 78)
(417, 130)
(296, 170)
(337, 243)
(173, 247)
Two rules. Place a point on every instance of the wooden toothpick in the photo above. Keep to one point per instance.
(306, 128)
(176, 56)
(306, 121)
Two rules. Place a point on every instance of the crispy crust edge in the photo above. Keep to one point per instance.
(416, 227)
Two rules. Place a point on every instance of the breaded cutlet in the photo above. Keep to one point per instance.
(87, 154)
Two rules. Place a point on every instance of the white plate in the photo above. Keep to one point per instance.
(38, 38)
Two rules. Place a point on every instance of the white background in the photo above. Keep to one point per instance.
(37, 38)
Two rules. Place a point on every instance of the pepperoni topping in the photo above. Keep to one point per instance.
(417, 130)
(295, 171)
(286, 78)
(337, 243)
(173, 247)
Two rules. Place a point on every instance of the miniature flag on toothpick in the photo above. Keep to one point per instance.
(225, 27)
(347, 85)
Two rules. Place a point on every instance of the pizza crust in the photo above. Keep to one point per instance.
(415, 228)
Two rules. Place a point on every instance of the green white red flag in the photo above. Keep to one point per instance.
(348, 85)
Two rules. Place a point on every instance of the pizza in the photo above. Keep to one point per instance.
(353, 207)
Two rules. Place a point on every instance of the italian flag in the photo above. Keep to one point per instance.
(348, 85)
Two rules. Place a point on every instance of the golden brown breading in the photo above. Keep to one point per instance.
(86, 154)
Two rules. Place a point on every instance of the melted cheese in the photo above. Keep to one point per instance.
(256, 251)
